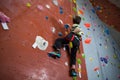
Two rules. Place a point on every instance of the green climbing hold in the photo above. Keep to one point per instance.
(74, 9)
(83, 18)
(115, 56)
(79, 61)
(83, 55)
(74, 78)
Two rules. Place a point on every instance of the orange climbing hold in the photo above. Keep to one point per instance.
(87, 25)
(87, 41)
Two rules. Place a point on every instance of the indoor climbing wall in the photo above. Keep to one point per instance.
(24, 46)
(102, 53)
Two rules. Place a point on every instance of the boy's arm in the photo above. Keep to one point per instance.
(77, 30)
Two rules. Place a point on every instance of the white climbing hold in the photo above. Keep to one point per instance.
(66, 63)
(5, 27)
(55, 2)
(47, 6)
(41, 43)
(53, 29)
(60, 21)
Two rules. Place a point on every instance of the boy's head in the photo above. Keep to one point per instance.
(76, 19)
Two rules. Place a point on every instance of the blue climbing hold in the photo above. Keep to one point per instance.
(101, 58)
(60, 33)
(61, 10)
(105, 60)
(46, 17)
(66, 26)
(93, 10)
(107, 31)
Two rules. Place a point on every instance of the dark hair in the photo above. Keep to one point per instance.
(76, 19)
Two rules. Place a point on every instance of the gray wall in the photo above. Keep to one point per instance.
(103, 45)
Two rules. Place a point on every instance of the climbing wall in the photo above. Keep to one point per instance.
(20, 56)
(102, 53)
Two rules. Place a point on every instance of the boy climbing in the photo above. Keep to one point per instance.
(72, 38)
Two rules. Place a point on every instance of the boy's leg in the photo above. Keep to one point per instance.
(73, 61)
(57, 46)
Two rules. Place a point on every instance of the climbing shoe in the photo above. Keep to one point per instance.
(54, 54)
(73, 73)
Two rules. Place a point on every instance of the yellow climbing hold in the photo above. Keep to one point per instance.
(91, 59)
(74, 1)
(79, 69)
(66, 32)
(28, 4)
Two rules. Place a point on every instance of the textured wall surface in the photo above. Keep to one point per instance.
(31, 18)
(101, 49)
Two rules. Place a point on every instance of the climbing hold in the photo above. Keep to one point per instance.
(93, 29)
(53, 29)
(106, 78)
(93, 10)
(28, 4)
(66, 26)
(83, 18)
(66, 63)
(87, 25)
(96, 69)
(85, 4)
(74, 1)
(60, 21)
(41, 43)
(70, 16)
(115, 56)
(98, 8)
(91, 59)
(107, 57)
(55, 2)
(46, 17)
(47, 6)
(79, 61)
(74, 78)
(88, 29)
(5, 26)
(83, 8)
(106, 30)
(105, 60)
(101, 59)
(40, 7)
(100, 44)
(74, 9)
(66, 33)
(80, 12)
(83, 55)
(60, 33)
(87, 41)
(61, 10)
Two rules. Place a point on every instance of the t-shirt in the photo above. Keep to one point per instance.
(78, 29)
